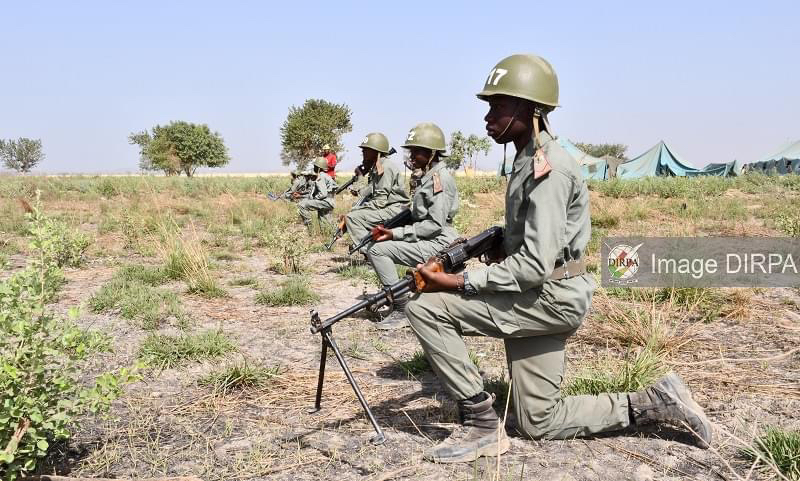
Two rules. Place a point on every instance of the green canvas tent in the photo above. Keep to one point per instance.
(785, 161)
(658, 161)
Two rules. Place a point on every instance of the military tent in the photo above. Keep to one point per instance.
(658, 161)
(592, 167)
(724, 169)
(785, 161)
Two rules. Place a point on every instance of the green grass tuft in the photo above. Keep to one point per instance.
(295, 291)
(149, 307)
(781, 448)
(416, 365)
(165, 351)
(612, 375)
(244, 281)
(239, 376)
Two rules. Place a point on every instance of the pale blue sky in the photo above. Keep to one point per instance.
(716, 80)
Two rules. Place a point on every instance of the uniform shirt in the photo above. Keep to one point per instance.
(299, 183)
(547, 221)
(384, 186)
(433, 207)
(323, 188)
(331, 158)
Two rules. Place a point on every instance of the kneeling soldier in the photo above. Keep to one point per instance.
(321, 195)
(384, 194)
(433, 208)
(535, 296)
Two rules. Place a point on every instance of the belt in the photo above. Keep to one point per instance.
(569, 269)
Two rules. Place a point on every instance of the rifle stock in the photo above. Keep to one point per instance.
(401, 218)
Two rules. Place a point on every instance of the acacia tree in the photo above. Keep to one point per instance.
(599, 150)
(179, 147)
(307, 128)
(21, 154)
(464, 149)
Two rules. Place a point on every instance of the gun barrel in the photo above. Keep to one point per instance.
(379, 299)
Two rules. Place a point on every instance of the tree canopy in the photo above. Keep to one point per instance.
(599, 150)
(21, 154)
(464, 149)
(180, 147)
(308, 128)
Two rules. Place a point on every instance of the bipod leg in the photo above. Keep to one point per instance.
(379, 437)
(323, 357)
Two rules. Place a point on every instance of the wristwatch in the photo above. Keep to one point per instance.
(468, 288)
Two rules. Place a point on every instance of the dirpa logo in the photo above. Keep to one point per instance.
(623, 263)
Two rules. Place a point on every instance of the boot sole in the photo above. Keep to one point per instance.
(490, 451)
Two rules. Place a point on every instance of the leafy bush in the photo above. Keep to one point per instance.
(291, 244)
(42, 360)
(790, 224)
(60, 243)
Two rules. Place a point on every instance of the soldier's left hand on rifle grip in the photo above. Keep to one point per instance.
(430, 277)
(381, 233)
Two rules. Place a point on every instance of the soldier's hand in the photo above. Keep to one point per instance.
(354, 191)
(437, 280)
(380, 233)
(295, 195)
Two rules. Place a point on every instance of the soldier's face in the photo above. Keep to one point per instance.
(369, 156)
(505, 119)
(419, 157)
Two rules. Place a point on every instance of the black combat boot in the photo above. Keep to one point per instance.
(670, 402)
(480, 434)
(397, 318)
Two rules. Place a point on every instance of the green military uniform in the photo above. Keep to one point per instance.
(547, 224)
(299, 184)
(433, 208)
(385, 197)
(321, 199)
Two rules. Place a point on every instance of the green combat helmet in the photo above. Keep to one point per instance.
(427, 135)
(376, 141)
(321, 163)
(524, 76)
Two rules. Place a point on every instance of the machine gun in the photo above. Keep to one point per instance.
(450, 259)
(401, 218)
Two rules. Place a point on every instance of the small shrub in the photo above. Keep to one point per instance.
(294, 291)
(43, 361)
(244, 281)
(166, 351)
(499, 387)
(778, 447)
(290, 243)
(605, 220)
(64, 245)
(239, 376)
(790, 224)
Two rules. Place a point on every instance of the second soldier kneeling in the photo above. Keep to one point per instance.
(433, 207)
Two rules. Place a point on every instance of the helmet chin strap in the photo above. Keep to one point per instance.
(500, 137)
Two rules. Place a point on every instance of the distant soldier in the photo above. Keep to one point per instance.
(384, 195)
(299, 184)
(321, 195)
(534, 295)
(330, 158)
(433, 207)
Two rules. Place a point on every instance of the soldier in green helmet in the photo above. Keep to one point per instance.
(299, 185)
(433, 207)
(534, 294)
(384, 195)
(321, 194)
